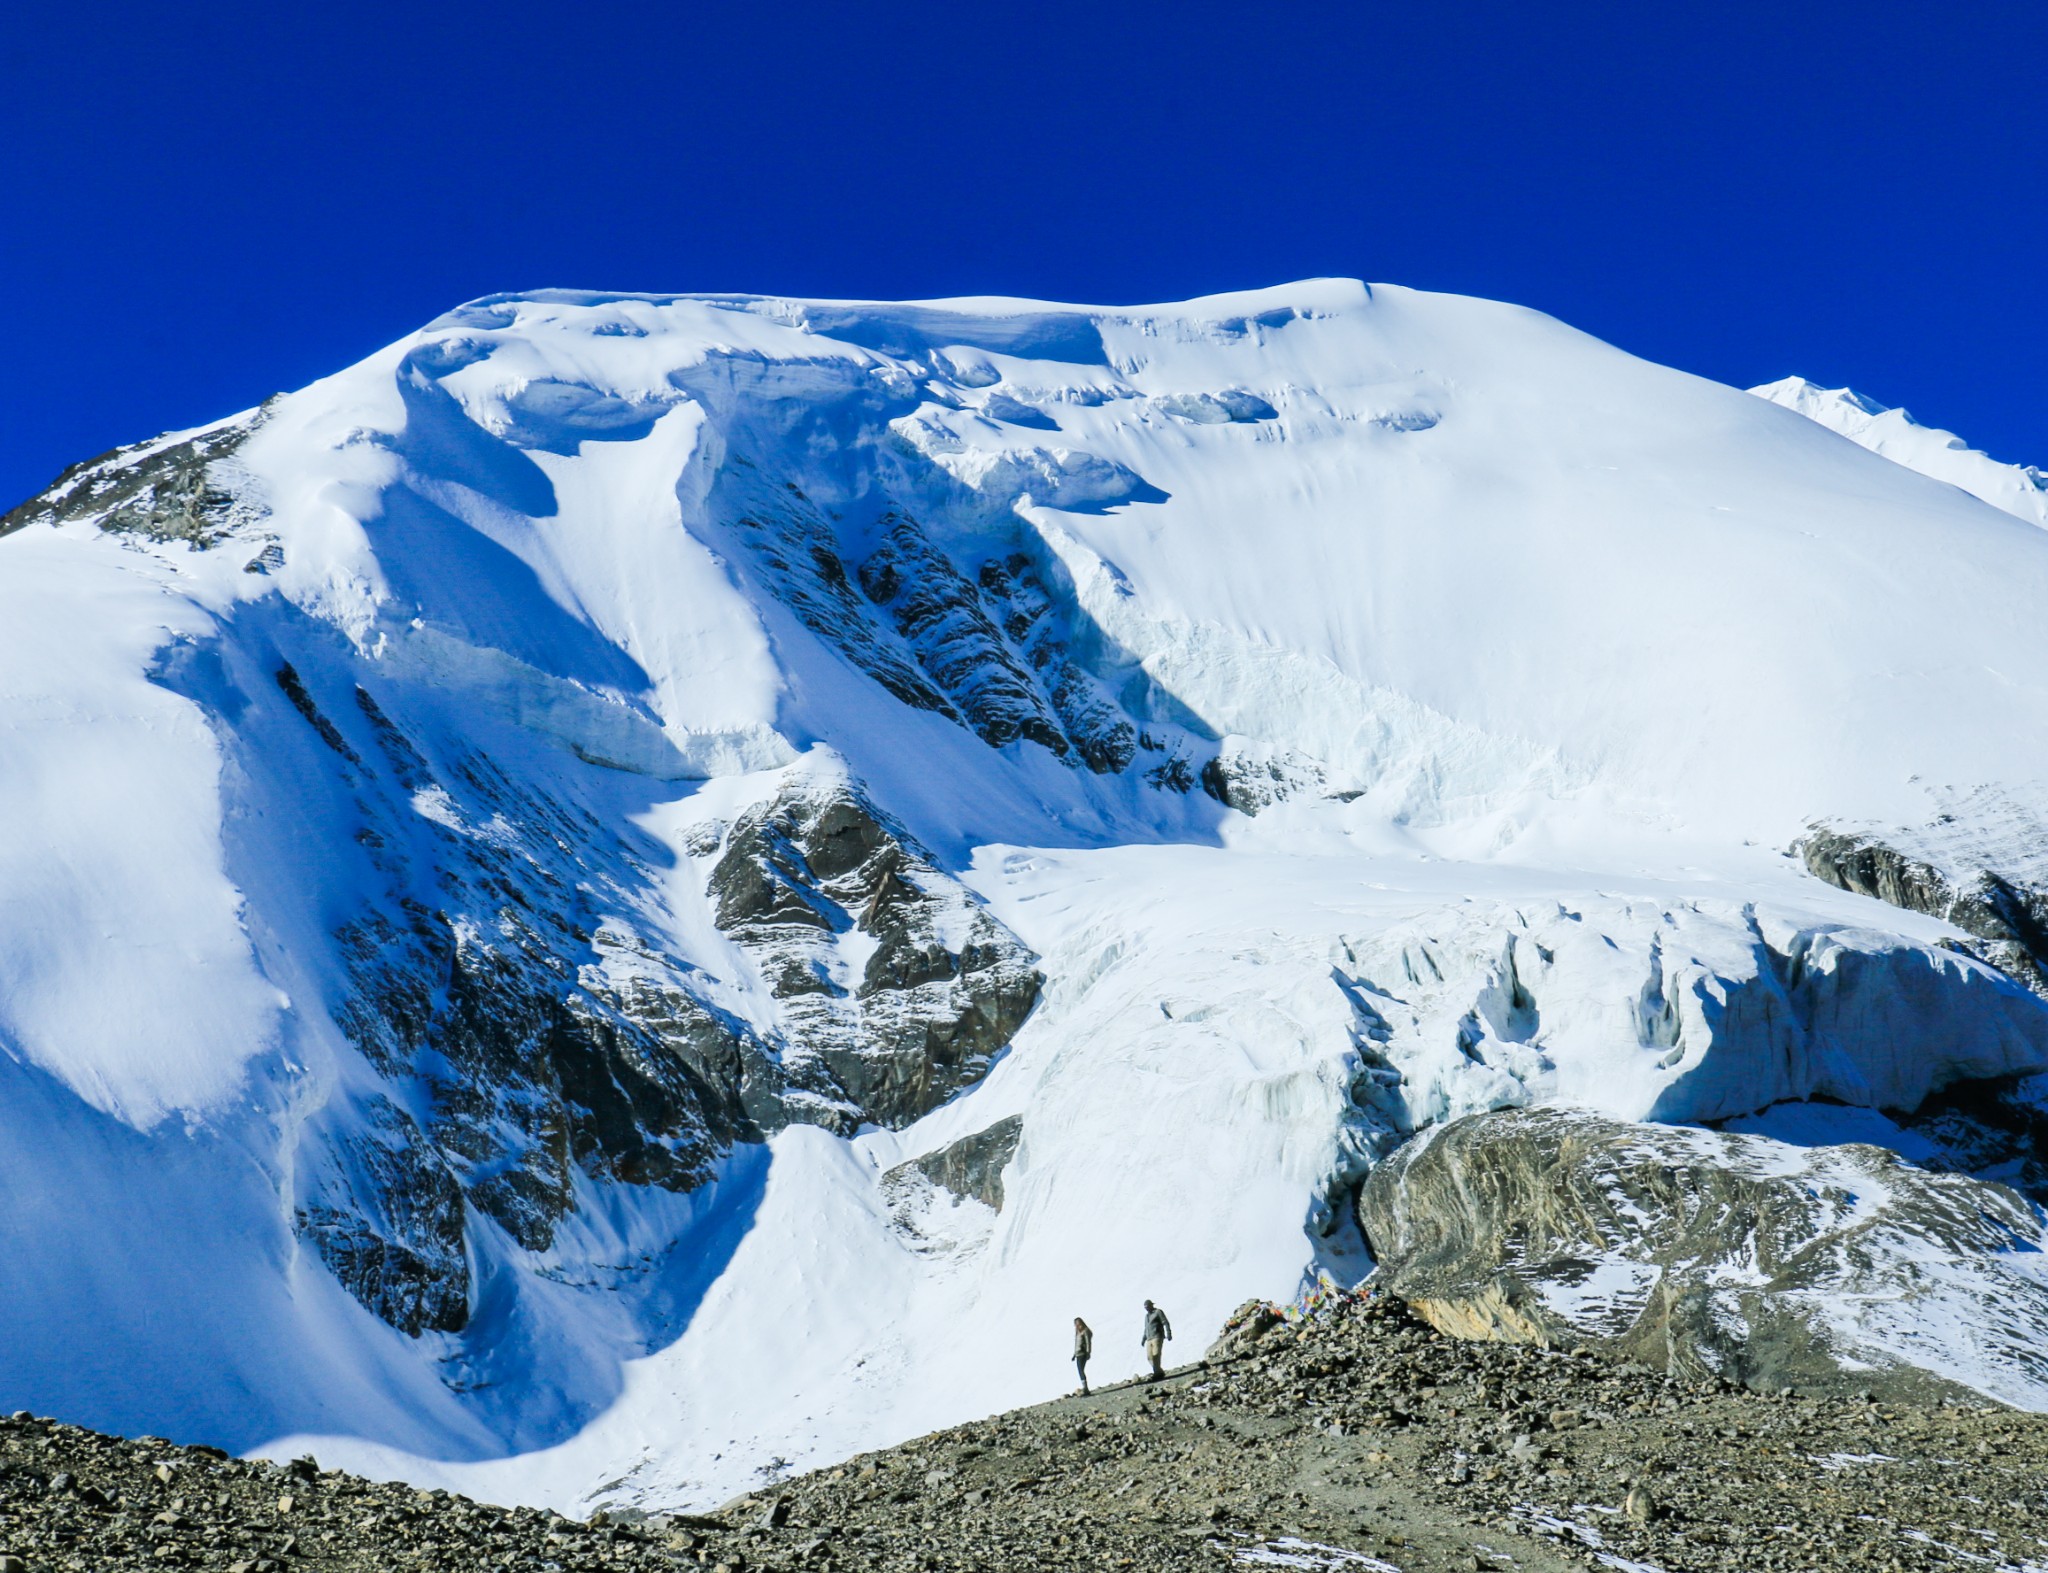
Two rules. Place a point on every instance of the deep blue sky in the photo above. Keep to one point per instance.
(200, 205)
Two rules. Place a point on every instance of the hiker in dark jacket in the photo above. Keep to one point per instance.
(1084, 1346)
(1157, 1331)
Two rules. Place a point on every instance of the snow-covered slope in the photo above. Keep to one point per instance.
(2020, 489)
(639, 889)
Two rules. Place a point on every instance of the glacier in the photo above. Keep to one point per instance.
(530, 860)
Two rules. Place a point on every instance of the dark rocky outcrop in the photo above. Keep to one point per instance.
(384, 1211)
(2004, 909)
(1696, 1251)
(941, 616)
(972, 1167)
(532, 1039)
(941, 989)
(294, 688)
(549, 1054)
(990, 648)
(1250, 779)
(528, 1071)
(178, 491)
(1103, 737)
(795, 547)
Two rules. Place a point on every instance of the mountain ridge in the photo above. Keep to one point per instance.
(2018, 489)
(532, 850)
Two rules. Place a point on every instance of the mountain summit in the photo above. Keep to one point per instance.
(638, 891)
(2019, 489)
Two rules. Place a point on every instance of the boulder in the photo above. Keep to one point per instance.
(1243, 1330)
(1704, 1253)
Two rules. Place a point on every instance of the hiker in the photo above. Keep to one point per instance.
(1084, 1346)
(1157, 1331)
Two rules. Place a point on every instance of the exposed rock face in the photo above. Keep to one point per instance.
(1249, 779)
(533, 1078)
(1102, 737)
(525, 1042)
(941, 617)
(552, 1054)
(504, 975)
(534, 1037)
(384, 1210)
(972, 1166)
(168, 491)
(1695, 1251)
(1948, 874)
(989, 646)
(897, 986)
(794, 547)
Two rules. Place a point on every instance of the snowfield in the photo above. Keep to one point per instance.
(1359, 706)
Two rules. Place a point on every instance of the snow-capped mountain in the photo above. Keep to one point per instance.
(642, 889)
(2019, 489)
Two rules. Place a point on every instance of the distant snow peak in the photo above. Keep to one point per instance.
(2019, 489)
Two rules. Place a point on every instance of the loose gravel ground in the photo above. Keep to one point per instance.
(1359, 1439)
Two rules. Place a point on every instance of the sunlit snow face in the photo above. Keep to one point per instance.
(1357, 708)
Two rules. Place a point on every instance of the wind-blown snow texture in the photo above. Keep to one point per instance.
(512, 850)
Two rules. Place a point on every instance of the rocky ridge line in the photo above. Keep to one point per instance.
(1354, 1437)
(187, 489)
